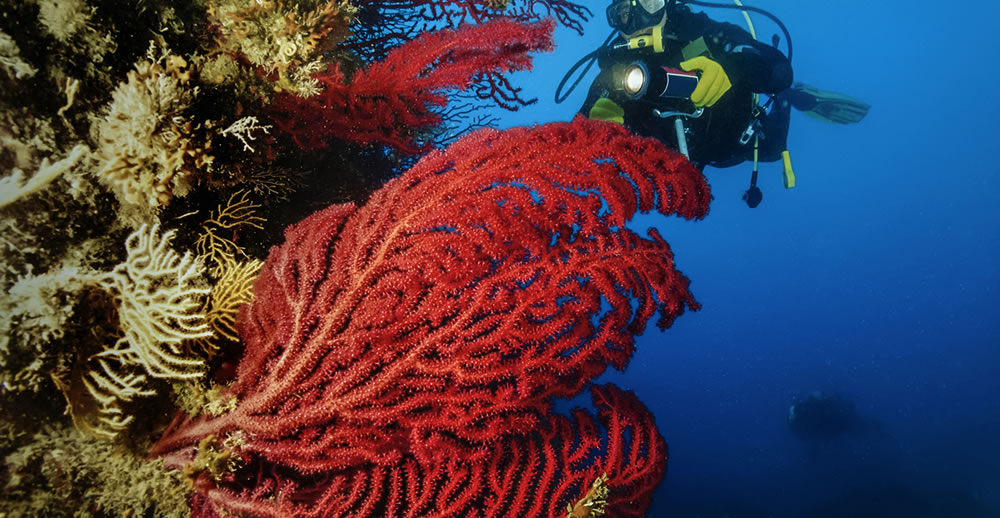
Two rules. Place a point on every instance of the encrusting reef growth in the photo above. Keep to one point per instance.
(151, 152)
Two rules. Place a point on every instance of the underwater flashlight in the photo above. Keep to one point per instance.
(635, 80)
(639, 81)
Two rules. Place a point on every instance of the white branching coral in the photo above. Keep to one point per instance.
(158, 295)
(146, 144)
(110, 387)
(243, 130)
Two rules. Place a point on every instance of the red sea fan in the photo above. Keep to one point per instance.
(413, 336)
(392, 101)
(384, 24)
(536, 474)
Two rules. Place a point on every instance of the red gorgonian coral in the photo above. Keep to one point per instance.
(402, 357)
(385, 24)
(393, 101)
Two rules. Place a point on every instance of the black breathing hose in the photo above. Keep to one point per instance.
(775, 19)
(591, 57)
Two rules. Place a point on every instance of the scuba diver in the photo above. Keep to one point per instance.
(695, 84)
(818, 419)
(820, 416)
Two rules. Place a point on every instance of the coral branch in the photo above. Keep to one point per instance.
(239, 212)
(384, 24)
(109, 387)
(424, 329)
(233, 289)
(158, 296)
(13, 187)
(393, 101)
(581, 463)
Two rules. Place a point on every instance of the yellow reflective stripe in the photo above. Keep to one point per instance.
(746, 16)
(789, 175)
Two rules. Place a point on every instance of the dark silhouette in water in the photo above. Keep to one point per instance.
(820, 416)
(894, 499)
(818, 419)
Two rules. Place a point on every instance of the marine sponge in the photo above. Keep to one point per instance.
(33, 316)
(287, 38)
(147, 147)
(15, 186)
(10, 59)
(63, 473)
(64, 18)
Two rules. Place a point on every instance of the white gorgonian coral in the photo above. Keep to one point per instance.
(159, 294)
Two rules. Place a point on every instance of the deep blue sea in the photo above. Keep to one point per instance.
(875, 278)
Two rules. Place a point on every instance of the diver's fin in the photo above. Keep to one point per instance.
(827, 106)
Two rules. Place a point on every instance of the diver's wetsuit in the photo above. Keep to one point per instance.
(714, 137)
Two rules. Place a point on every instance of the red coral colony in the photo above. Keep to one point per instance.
(393, 100)
(401, 357)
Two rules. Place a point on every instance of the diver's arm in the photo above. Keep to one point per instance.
(599, 104)
(763, 68)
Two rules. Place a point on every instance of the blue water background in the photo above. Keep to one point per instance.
(875, 277)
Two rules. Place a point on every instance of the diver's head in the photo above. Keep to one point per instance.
(633, 17)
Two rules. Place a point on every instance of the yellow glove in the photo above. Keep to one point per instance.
(607, 110)
(713, 84)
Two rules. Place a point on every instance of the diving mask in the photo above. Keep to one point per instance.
(631, 16)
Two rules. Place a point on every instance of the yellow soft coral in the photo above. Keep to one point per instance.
(239, 211)
(593, 503)
(233, 288)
